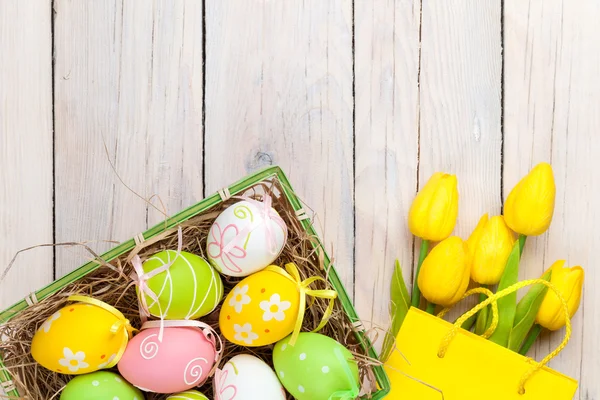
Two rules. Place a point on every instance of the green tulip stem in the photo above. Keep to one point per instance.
(468, 324)
(522, 240)
(430, 308)
(482, 316)
(416, 293)
(534, 333)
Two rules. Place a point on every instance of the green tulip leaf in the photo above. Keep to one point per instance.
(507, 306)
(526, 312)
(399, 304)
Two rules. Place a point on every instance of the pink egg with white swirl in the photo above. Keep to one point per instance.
(181, 361)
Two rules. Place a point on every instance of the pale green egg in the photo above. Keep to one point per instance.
(316, 367)
(189, 289)
(188, 395)
(101, 385)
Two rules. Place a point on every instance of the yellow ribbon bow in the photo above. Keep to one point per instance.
(291, 272)
(121, 325)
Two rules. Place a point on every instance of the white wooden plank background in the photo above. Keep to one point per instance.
(26, 214)
(359, 101)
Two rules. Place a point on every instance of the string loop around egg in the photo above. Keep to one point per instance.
(121, 325)
(291, 272)
(345, 394)
(209, 333)
(268, 214)
(141, 280)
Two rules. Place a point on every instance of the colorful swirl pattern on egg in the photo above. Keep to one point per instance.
(180, 362)
(245, 238)
(189, 289)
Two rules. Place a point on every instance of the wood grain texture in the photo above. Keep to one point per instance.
(552, 61)
(279, 91)
(128, 74)
(460, 102)
(387, 94)
(460, 108)
(25, 146)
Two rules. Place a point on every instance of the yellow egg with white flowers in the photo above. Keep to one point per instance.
(260, 310)
(80, 338)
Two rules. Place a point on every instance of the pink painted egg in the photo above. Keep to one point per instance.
(181, 361)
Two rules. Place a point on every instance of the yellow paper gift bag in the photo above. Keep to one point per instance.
(436, 360)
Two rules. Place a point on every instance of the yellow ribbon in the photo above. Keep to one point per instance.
(291, 272)
(492, 300)
(121, 325)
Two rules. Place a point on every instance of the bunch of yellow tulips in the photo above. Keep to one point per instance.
(490, 257)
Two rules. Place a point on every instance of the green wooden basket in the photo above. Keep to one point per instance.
(236, 188)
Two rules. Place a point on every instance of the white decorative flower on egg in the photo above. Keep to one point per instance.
(274, 308)
(73, 361)
(243, 333)
(239, 298)
(48, 324)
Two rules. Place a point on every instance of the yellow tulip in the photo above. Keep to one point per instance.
(433, 213)
(569, 282)
(489, 246)
(530, 205)
(445, 273)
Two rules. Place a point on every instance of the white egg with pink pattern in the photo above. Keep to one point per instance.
(246, 237)
(243, 377)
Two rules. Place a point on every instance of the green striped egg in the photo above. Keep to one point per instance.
(189, 289)
(188, 395)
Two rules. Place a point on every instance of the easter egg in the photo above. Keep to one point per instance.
(244, 377)
(315, 367)
(245, 238)
(101, 385)
(188, 395)
(181, 361)
(260, 310)
(189, 289)
(80, 338)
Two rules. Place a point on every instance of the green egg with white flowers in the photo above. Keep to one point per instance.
(100, 385)
(316, 367)
(189, 289)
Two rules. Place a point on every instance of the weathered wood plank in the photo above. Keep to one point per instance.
(460, 110)
(460, 102)
(387, 93)
(128, 73)
(279, 91)
(25, 145)
(552, 97)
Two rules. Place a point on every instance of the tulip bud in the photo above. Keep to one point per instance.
(433, 213)
(445, 273)
(530, 205)
(489, 246)
(569, 282)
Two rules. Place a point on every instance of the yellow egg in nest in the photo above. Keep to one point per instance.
(80, 338)
(260, 310)
(268, 305)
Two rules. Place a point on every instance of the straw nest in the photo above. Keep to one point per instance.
(111, 283)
